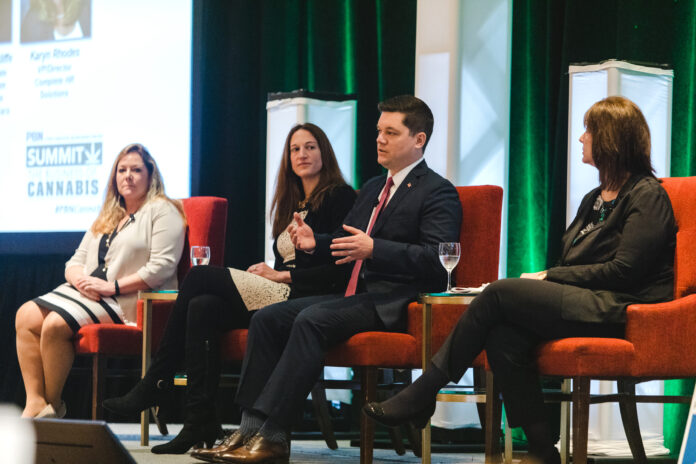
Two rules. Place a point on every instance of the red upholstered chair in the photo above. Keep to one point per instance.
(206, 222)
(658, 343)
(367, 352)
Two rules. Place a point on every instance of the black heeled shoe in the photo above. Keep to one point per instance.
(191, 435)
(144, 395)
(418, 419)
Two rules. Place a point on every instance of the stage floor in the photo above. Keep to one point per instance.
(316, 451)
(303, 451)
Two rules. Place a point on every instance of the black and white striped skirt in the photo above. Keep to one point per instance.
(78, 310)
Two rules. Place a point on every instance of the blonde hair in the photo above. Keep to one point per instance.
(114, 207)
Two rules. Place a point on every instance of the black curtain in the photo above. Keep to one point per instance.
(21, 278)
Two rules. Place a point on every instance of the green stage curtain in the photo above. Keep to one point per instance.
(547, 36)
(248, 48)
(683, 164)
(343, 46)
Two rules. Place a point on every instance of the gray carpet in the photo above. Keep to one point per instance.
(302, 451)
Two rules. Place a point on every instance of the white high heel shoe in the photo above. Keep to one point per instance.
(49, 412)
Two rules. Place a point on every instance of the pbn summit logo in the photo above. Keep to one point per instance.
(63, 169)
(68, 154)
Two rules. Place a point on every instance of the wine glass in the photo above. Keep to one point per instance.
(200, 255)
(449, 257)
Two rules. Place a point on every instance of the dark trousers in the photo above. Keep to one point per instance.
(287, 345)
(208, 304)
(509, 320)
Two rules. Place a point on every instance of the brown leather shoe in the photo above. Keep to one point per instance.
(232, 442)
(258, 450)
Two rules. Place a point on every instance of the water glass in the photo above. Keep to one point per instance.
(200, 255)
(449, 257)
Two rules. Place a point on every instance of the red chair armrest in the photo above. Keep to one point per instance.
(663, 335)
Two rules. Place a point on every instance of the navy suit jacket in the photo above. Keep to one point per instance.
(424, 211)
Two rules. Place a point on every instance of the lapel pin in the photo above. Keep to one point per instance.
(408, 185)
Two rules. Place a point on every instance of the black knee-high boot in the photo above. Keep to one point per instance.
(202, 361)
(156, 385)
(200, 281)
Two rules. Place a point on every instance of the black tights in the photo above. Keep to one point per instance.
(208, 304)
(509, 320)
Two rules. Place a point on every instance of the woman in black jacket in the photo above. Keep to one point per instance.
(619, 250)
(213, 300)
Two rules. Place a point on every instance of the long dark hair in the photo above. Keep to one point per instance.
(289, 192)
(620, 141)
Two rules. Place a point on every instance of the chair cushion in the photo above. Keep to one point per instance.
(109, 339)
(383, 349)
(649, 326)
(592, 357)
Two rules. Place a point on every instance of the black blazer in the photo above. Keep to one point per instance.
(629, 258)
(312, 275)
(424, 211)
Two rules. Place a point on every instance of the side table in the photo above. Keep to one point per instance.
(449, 394)
(148, 297)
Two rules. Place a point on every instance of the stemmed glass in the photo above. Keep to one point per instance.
(200, 255)
(449, 257)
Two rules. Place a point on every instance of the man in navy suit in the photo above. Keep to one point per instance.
(391, 235)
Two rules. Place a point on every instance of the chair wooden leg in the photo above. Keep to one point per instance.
(426, 444)
(629, 417)
(565, 424)
(493, 409)
(507, 440)
(368, 385)
(98, 372)
(581, 415)
(479, 385)
(321, 412)
(145, 427)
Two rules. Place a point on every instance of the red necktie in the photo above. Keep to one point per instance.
(353, 282)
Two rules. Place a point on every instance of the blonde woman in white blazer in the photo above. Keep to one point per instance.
(134, 244)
